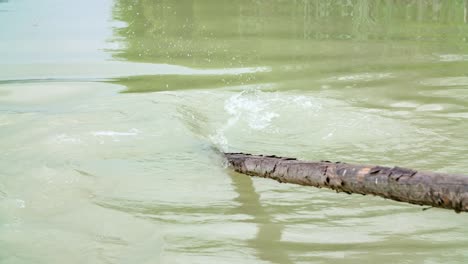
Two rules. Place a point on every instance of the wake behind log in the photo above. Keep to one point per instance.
(448, 191)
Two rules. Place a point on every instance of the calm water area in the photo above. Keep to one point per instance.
(113, 114)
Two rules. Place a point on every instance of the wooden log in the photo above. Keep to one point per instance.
(448, 191)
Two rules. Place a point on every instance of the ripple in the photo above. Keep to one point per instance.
(445, 81)
(453, 57)
(430, 107)
(404, 105)
(362, 77)
(109, 133)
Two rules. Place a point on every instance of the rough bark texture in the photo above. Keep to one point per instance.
(448, 191)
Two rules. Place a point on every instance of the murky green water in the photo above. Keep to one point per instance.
(111, 113)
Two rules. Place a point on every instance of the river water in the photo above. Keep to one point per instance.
(113, 113)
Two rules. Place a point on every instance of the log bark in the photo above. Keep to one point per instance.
(449, 191)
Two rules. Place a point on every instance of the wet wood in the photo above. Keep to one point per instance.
(449, 191)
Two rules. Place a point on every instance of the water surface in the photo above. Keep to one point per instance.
(112, 114)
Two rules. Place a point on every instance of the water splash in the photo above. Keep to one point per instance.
(219, 138)
(253, 110)
(249, 106)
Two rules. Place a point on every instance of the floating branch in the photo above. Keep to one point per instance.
(449, 191)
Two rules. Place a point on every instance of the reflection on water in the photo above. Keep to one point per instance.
(251, 31)
(302, 41)
(268, 236)
(110, 134)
